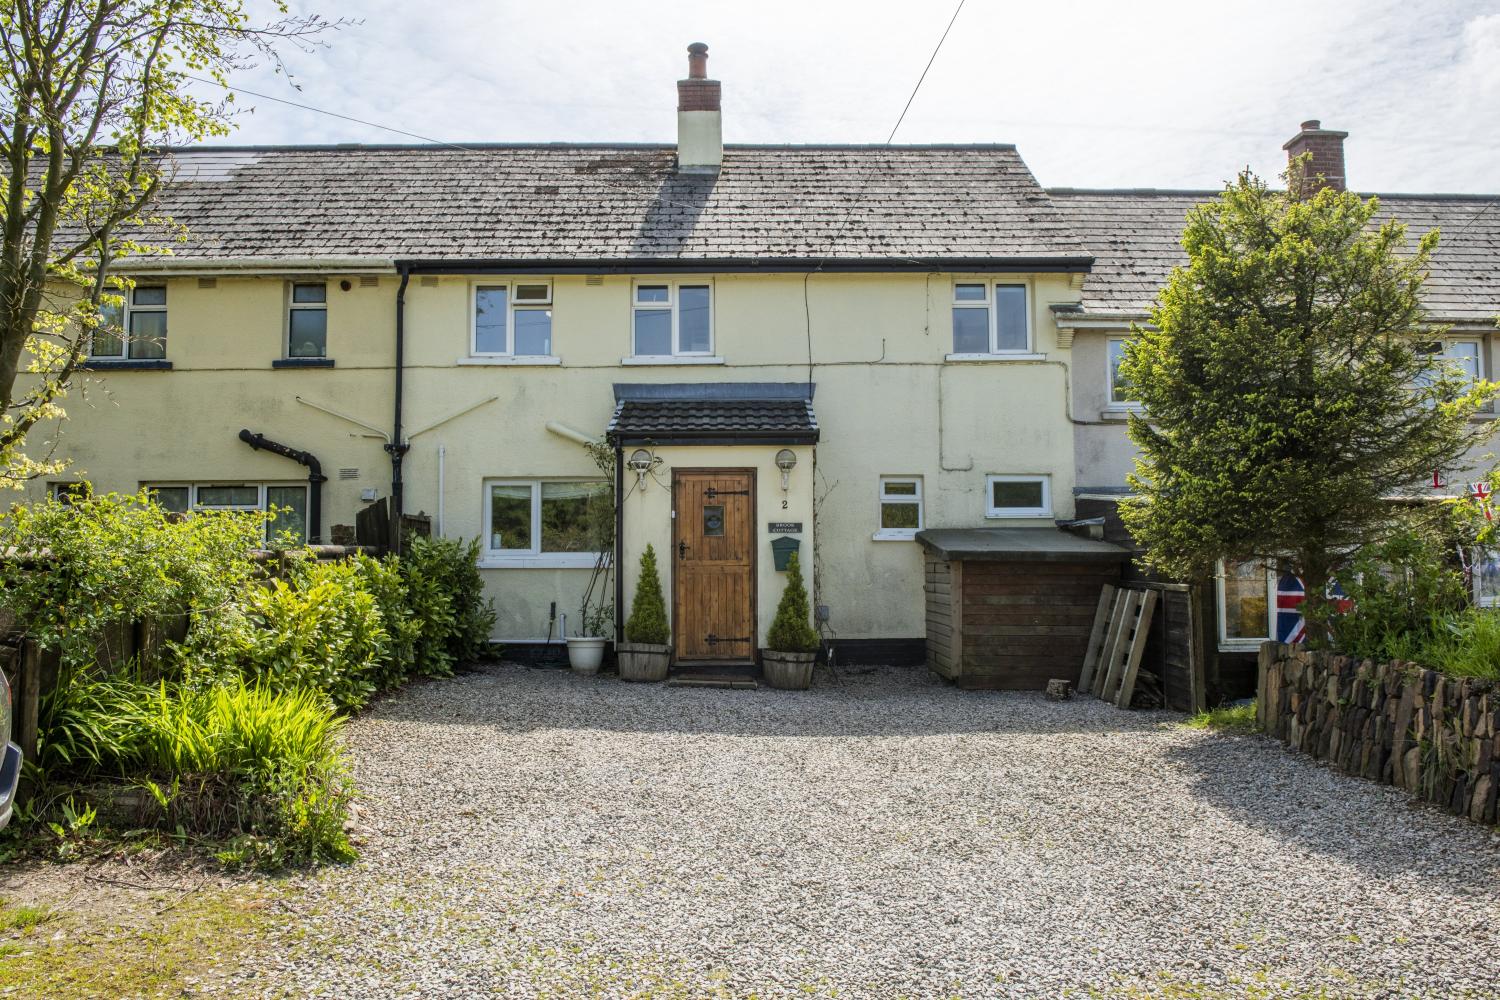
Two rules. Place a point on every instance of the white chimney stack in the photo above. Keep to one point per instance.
(700, 124)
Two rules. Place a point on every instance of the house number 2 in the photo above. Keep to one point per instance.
(783, 505)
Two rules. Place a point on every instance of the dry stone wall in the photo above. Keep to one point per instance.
(1398, 723)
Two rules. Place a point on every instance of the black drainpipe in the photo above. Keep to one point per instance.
(315, 479)
(620, 543)
(397, 447)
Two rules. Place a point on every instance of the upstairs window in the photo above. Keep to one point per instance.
(900, 507)
(307, 321)
(1120, 393)
(990, 318)
(135, 329)
(513, 319)
(672, 321)
(1462, 357)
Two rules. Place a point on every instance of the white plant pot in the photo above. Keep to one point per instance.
(586, 653)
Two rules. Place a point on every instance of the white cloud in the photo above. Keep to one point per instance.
(1094, 93)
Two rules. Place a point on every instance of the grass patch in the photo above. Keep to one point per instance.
(169, 953)
(1226, 719)
(23, 918)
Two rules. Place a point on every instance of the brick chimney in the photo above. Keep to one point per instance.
(700, 124)
(1327, 149)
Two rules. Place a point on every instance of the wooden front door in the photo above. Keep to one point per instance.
(713, 562)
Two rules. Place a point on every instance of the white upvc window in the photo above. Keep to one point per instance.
(1485, 572)
(1120, 395)
(1247, 601)
(672, 320)
(511, 319)
(542, 522)
(135, 329)
(991, 319)
(288, 499)
(1462, 355)
(900, 508)
(307, 320)
(1018, 496)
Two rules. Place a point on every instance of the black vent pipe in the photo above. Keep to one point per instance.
(397, 447)
(315, 478)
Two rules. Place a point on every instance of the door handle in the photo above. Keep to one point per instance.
(682, 550)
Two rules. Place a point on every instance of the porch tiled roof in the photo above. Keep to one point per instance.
(1134, 236)
(788, 421)
(586, 202)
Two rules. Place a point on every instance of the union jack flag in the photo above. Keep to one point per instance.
(1290, 593)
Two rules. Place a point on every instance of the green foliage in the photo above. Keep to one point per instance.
(1404, 593)
(791, 630)
(1288, 391)
(95, 562)
(648, 610)
(321, 629)
(1227, 719)
(445, 598)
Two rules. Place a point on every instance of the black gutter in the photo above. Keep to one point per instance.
(1076, 264)
(397, 447)
(619, 544)
(315, 479)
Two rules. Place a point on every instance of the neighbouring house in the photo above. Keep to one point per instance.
(1134, 237)
(845, 346)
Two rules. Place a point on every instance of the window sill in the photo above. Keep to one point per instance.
(302, 363)
(968, 358)
(1241, 645)
(665, 360)
(1006, 515)
(1120, 413)
(127, 365)
(511, 360)
(555, 560)
(895, 535)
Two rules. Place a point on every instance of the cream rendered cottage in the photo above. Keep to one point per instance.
(837, 344)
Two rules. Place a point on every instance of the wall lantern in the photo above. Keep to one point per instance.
(786, 461)
(640, 463)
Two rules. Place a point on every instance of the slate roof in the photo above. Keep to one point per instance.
(579, 202)
(1134, 238)
(665, 421)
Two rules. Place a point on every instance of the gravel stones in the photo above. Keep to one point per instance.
(538, 834)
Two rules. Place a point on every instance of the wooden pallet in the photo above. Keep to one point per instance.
(1113, 659)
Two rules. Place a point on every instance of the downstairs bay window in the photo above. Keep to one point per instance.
(543, 522)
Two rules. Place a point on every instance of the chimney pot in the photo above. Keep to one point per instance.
(698, 61)
(1325, 149)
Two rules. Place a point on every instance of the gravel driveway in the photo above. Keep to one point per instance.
(540, 834)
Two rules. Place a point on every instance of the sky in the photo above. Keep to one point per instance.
(1146, 93)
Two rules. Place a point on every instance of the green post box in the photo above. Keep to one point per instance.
(782, 549)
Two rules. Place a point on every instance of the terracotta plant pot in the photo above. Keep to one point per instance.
(642, 661)
(586, 653)
(787, 671)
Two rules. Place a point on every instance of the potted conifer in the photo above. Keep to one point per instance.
(646, 653)
(792, 645)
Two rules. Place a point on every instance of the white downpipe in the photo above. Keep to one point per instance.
(442, 483)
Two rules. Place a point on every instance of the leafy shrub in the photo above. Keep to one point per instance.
(790, 630)
(100, 561)
(1403, 594)
(445, 598)
(321, 629)
(648, 610)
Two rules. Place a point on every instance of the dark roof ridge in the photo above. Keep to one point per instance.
(663, 146)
